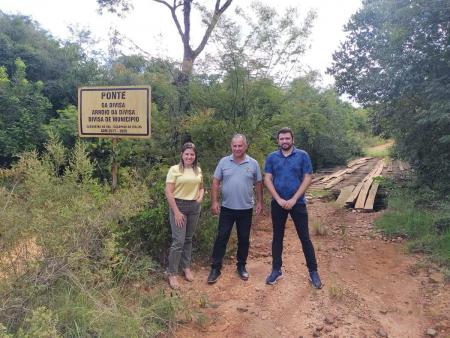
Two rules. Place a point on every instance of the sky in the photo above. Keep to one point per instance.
(149, 25)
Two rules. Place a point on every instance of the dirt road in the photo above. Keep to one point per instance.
(372, 287)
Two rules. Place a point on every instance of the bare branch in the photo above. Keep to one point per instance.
(218, 11)
(173, 9)
(164, 3)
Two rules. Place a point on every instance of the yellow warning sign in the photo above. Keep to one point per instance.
(122, 112)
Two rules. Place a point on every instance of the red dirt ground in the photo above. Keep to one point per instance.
(373, 288)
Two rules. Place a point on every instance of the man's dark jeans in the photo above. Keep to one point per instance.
(243, 220)
(299, 215)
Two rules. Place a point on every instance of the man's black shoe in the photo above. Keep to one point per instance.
(213, 276)
(242, 272)
(315, 279)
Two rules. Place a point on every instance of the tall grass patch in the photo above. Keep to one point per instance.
(422, 216)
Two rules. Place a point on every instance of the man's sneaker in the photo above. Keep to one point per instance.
(315, 279)
(242, 272)
(274, 276)
(213, 275)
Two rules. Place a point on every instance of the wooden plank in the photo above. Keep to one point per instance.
(334, 182)
(352, 162)
(361, 201)
(317, 179)
(403, 165)
(354, 168)
(379, 168)
(351, 199)
(358, 161)
(389, 168)
(344, 195)
(368, 206)
(334, 175)
(355, 195)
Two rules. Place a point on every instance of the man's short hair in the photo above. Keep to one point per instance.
(285, 130)
(242, 136)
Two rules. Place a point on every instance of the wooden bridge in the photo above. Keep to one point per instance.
(355, 185)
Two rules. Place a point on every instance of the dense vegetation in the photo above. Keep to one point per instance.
(396, 63)
(396, 60)
(62, 270)
(423, 218)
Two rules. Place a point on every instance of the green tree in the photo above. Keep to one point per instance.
(322, 123)
(65, 126)
(266, 44)
(396, 59)
(240, 88)
(23, 111)
(183, 25)
(61, 66)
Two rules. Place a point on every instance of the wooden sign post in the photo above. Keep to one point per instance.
(114, 112)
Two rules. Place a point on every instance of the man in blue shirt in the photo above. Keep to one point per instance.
(287, 176)
(238, 174)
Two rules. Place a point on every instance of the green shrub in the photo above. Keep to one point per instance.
(410, 215)
(206, 231)
(4, 332)
(60, 252)
(149, 230)
(41, 324)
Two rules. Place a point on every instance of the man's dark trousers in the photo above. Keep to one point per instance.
(243, 220)
(299, 215)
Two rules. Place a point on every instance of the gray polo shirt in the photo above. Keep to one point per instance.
(238, 181)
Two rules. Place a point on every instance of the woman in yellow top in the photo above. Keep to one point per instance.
(184, 193)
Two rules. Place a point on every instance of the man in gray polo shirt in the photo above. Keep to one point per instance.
(238, 173)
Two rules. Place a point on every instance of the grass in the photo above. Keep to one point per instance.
(318, 193)
(344, 234)
(372, 141)
(202, 321)
(319, 229)
(203, 301)
(447, 275)
(382, 150)
(416, 214)
(336, 291)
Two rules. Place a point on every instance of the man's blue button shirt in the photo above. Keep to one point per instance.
(288, 172)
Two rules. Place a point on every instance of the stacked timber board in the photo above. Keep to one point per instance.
(357, 194)
(363, 195)
(356, 190)
(329, 181)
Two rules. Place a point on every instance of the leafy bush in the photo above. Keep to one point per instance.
(24, 109)
(206, 231)
(59, 252)
(149, 229)
(42, 324)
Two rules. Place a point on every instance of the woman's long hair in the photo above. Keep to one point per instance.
(189, 145)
